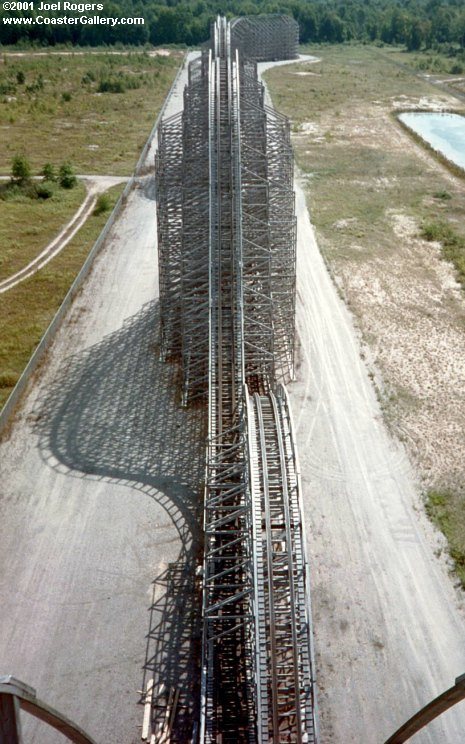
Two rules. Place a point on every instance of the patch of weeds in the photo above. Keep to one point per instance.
(8, 379)
(88, 78)
(7, 89)
(442, 194)
(453, 244)
(118, 84)
(447, 511)
(41, 93)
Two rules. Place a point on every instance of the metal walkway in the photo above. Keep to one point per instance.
(226, 232)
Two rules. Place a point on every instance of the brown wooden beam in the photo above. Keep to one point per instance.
(431, 711)
(14, 695)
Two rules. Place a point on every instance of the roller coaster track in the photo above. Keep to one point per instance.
(286, 617)
(227, 268)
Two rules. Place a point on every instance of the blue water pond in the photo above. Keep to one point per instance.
(444, 132)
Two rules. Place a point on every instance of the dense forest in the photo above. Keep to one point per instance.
(416, 24)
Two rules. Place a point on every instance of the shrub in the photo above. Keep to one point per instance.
(20, 77)
(37, 85)
(111, 86)
(442, 194)
(103, 204)
(48, 172)
(7, 89)
(20, 169)
(8, 379)
(88, 78)
(66, 96)
(44, 191)
(66, 177)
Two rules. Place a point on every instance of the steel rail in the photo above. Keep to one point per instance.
(312, 715)
(290, 567)
(271, 619)
(228, 578)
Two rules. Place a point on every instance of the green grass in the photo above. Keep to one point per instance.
(94, 110)
(432, 62)
(345, 76)
(27, 309)
(28, 225)
(447, 510)
(61, 114)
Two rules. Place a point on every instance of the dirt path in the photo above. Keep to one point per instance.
(95, 185)
(150, 53)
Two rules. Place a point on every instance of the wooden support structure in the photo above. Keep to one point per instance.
(16, 696)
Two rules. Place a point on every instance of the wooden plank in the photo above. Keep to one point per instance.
(10, 725)
(146, 722)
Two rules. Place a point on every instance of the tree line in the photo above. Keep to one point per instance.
(416, 24)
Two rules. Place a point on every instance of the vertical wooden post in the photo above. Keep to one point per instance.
(10, 725)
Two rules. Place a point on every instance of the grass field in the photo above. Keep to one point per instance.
(384, 209)
(93, 110)
(27, 225)
(429, 61)
(27, 309)
(343, 93)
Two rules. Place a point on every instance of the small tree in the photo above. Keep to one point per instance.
(103, 204)
(20, 169)
(66, 176)
(20, 77)
(48, 172)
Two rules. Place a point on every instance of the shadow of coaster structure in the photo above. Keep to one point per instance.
(227, 240)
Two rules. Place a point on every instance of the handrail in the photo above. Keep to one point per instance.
(431, 711)
(15, 694)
